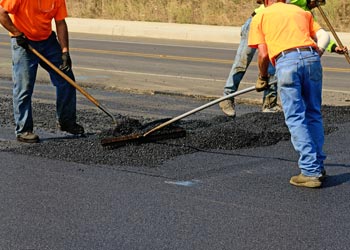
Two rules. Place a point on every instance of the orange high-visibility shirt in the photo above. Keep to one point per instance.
(34, 17)
(282, 26)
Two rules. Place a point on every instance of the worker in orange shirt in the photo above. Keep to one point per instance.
(285, 35)
(244, 56)
(29, 23)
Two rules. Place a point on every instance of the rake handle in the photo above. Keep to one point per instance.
(73, 83)
(209, 104)
(333, 31)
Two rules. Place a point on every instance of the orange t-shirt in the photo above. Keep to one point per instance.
(294, 28)
(34, 17)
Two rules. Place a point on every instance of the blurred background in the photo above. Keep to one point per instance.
(208, 12)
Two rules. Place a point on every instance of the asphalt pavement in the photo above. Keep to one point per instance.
(237, 199)
(210, 199)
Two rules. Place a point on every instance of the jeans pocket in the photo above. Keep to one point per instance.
(14, 44)
(285, 71)
(315, 70)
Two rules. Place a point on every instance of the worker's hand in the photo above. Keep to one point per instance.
(312, 4)
(262, 83)
(320, 51)
(340, 50)
(66, 62)
(22, 41)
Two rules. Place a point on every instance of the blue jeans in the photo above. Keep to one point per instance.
(243, 58)
(299, 77)
(24, 71)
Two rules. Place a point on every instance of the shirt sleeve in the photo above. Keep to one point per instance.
(255, 32)
(62, 11)
(259, 9)
(301, 3)
(331, 46)
(314, 27)
(10, 6)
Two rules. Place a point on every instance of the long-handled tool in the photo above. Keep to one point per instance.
(147, 136)
(346, 54)
(73, 83)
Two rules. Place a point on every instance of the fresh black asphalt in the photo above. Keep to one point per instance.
(225, 186)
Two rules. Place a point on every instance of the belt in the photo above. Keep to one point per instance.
(284, 52)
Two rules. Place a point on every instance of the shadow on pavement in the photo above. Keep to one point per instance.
(336, 180)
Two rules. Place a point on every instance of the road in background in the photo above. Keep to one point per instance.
(171, 66)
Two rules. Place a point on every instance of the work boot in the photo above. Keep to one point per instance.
(228, 107)
(72, 128)
(272, 109)
(28, 137)
(270, 104)
(306, 181)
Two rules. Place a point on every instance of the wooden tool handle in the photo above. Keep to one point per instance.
(333, 32)
(73, 83)
(64, 76)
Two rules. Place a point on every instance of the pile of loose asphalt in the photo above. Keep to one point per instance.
(217, 133)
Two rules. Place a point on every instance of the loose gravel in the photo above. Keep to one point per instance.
(215, 133)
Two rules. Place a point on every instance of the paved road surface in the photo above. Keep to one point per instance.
(237, 199)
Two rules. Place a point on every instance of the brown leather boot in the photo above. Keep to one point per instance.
(228, 107)
(28, 137)
(306, 181)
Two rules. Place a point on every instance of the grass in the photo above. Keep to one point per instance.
(209, 12)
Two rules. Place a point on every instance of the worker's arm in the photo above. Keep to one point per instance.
(62, 34)
(6, 21)
(263, 65)
(263, 60)
(333, 47)
(322, 38)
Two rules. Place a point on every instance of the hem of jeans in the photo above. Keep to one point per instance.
(311, 175)
(20, 133)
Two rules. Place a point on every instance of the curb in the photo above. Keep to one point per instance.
(189, 32)
(186, 32)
